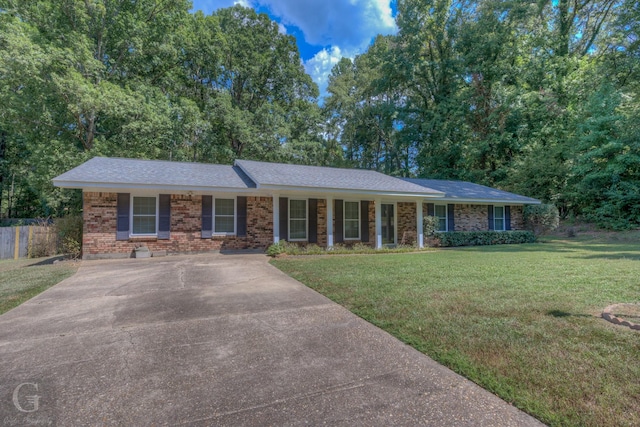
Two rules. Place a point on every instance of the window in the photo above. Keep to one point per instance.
(352, 220)
(498, 218)
(144, 216)
(297, 220)
(440, 212)
(224, 221)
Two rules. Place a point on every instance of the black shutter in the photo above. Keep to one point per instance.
(431, 209)
(339, 217)
(507, 217)
(313, 220)
(164, 217)
(207, 217)
(364, 221)
(122, 221)
(284, 218)
(241, 216)
(490, 213)
(451, 220)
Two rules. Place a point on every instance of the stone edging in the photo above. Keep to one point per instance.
(607, 314)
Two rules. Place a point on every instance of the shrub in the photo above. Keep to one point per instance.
(541, 218)
(480, 238)
(429, 225)
(276, 249)
(69, 229)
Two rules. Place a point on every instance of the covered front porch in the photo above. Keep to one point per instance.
(328, 220)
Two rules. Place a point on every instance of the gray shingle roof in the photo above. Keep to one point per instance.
(319, 177)
(107, 172)
(116, 172)
(470, 191)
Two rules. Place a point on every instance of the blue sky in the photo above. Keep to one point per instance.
(326, 30)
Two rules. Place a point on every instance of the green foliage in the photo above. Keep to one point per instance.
(429, 225)
(508, 112)
(276, 249)
(143, 79)
(541, 218)
(606, 173)
(534, 108)
(288, 248)
(482, 238)
(69, 230)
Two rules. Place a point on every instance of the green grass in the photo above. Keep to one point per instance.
(22, 279)
(523, 321)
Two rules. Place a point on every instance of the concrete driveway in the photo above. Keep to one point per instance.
(217, 340)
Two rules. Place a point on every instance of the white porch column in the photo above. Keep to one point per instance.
(329, 221)
(378, 203)
(420, 231)
(276, 218)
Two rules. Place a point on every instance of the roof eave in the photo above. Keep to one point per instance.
(325, 190)
(132, 186)
(490, 201)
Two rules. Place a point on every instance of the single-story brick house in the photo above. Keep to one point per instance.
(192, 207)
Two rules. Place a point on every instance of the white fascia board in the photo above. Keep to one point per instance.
(91, 186)
(486, 201)
(333, 191)
(246, 172)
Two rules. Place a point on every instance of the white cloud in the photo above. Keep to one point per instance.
(319, 67)
(348, 23)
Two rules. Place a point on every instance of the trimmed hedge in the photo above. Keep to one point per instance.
(480, 238)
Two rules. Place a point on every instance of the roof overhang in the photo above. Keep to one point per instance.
(113, 186)
(486, 201)
(276, 189)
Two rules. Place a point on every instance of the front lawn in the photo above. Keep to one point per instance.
(523, 321)
(22, 279)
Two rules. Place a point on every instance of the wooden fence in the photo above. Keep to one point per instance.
(18, 242)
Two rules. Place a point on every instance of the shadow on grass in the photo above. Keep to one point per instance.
(561, 314)
(620, 255)
(521, 247)
(48, 261)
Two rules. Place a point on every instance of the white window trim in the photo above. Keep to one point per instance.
(131, 233)
(306, 219)
(344, 220)
(504, 218)
(446, 218)
(213, 216)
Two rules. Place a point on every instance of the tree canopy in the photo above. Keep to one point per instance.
(538, 97)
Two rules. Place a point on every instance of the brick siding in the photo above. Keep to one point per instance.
(100, 215)
(407, 224)
(475, 218)
(99, 236)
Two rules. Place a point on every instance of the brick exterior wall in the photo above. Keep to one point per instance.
(471, 218)
(100, 214)
(99, 234)
(517, 217)
(475, 218)
(407, 224)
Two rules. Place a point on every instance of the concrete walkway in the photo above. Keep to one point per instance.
(217, 340)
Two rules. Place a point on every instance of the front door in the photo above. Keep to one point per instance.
(388, 224)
